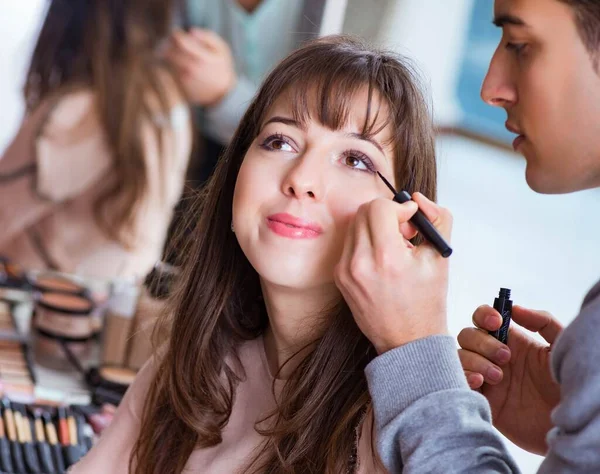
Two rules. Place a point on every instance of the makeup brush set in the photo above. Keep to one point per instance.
(38, 439)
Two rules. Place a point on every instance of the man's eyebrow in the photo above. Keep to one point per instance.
(373, 142)
(285, 121)
(507, 19)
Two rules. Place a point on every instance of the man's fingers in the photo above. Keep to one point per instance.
(388, 222)
(480, 342)
(408, 231)
(541, 322)
(440, 217)
(472, 362)
(363, 240)
(486, 317)
(474, 379)
(341, 270)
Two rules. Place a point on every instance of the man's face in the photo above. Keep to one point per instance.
(544, 77)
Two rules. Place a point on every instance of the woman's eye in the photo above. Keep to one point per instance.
(277, 143)
(358, 161)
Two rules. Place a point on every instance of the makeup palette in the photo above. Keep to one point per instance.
(109, 384)
(17, 377)
(63, 324)
(49, 282)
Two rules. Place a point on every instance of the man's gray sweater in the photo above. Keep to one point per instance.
(429, 421)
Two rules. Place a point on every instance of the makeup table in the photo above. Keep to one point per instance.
(61, 386)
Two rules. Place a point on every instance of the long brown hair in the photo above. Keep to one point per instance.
(218, 303)
(108, 46)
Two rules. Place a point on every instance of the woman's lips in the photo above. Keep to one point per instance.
(293, 227)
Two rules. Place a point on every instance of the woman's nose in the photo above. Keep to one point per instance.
(305, 179)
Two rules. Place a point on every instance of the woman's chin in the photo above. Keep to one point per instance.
(292, 275)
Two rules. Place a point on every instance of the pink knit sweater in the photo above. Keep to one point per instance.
(253, 400)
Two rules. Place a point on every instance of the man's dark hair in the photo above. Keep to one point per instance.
(587, 17)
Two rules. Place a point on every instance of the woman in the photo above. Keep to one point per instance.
(89, 183)
(221, 57)
(263, 366)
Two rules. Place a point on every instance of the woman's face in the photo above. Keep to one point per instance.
(299, 187)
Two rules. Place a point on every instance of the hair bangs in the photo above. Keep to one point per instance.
(327, 93)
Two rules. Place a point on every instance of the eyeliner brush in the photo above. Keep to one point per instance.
(420, 221)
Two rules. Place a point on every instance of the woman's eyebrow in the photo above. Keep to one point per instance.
(301, 126)
(285, 121)
(366, 138)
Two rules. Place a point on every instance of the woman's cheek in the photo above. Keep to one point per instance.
(344, 209)
(254, 179)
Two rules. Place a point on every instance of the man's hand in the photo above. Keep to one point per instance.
(516, 379)
(396, 291)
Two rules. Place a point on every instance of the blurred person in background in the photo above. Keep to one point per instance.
(224, 51)
(89, 183)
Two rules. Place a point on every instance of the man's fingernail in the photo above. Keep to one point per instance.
(494, 374)
(491, 322)
(472, 380)
(502, 356)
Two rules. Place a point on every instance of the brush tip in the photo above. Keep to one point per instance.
(387, 183)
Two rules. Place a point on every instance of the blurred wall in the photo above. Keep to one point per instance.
(431, 32)
(19, 24)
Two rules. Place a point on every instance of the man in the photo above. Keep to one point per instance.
(545, 75)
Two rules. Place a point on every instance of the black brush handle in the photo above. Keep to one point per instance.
(5, 457)
(59, 462)
(31, 459)
(72, 454)
(17, 458)
(425, 227)
(45, 455)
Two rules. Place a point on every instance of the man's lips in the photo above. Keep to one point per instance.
(512, 128)
(520, 138)
(293, 227)
(518, 141)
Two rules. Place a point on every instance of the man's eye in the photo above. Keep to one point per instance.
(517, 48)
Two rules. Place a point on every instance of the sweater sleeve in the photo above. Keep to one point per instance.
(574, 442)
(426, 417)
(223, 118)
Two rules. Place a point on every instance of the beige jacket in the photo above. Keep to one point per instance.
(53, 172)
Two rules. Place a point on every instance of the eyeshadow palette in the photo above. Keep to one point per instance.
(17, 377)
